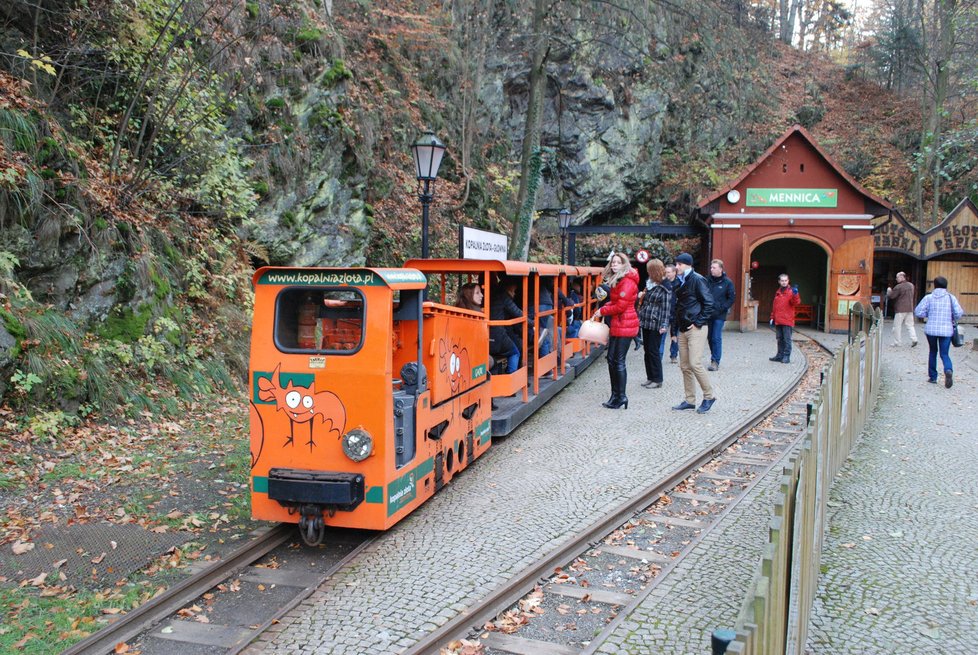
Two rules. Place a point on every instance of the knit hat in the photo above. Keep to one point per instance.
(684, 258)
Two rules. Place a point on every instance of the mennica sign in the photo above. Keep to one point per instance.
(792, 197)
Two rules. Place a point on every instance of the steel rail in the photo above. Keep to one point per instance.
(474, 617)
(158, 608)
(599, 639)
(306, 592)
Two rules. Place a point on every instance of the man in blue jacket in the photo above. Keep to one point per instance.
(722, 290)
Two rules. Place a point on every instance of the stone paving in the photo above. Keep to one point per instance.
(706, 589)
(892, 579)
(562, 470)
(899, 564)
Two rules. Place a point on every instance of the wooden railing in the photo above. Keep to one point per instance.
(775, 615)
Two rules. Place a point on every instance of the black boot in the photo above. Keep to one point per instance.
(612, 374)
(621, 400)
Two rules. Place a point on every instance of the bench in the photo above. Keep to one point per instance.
(804, 314)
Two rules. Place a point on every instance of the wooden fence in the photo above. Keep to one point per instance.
(775, 616)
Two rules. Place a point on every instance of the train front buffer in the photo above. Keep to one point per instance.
(341, 399)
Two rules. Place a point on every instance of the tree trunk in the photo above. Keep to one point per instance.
(936, 49)
(519, 247)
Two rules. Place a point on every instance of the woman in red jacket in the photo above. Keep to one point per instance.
(623, 281)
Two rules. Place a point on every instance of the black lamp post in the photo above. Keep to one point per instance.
(428, 151)
(564, 220)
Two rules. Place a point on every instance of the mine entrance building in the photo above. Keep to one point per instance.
(949, 249)
(795, 211)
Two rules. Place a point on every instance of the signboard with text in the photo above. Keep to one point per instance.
(792, 197)
(479, 244)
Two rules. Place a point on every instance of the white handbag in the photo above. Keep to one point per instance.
(594, 331)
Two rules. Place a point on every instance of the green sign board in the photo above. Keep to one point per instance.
(792, 197)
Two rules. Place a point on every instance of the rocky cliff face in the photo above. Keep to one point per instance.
(612, 107)
(321, 127)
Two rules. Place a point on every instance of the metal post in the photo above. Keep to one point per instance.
(425, 196)
(563, 239)
(720, 639)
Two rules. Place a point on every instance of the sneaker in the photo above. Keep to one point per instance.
(948, 379)
(913, 344)
(934, 381)
(649, 384)
(776, 358)
(714, 366)
(705, 405)
(684, 405)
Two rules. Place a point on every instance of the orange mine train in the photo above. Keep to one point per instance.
(367, 397)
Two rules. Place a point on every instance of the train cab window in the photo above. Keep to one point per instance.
(319, 320)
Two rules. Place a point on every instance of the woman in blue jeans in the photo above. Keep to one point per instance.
(942, 311)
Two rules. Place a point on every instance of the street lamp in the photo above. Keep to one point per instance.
(564, 220)
(428, 151)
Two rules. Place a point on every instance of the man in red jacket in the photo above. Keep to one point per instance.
(783, 317)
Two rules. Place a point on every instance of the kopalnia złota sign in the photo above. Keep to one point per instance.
(792, 197)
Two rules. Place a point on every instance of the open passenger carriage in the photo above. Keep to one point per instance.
(370, 390)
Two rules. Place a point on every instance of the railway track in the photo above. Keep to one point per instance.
(571, 601)
(222, 607)
(590, 581)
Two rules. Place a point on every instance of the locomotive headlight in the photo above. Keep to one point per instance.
(358, 444)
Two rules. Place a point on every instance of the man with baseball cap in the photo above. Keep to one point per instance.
(694, 308)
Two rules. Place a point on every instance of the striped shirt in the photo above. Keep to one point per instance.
(941, 309)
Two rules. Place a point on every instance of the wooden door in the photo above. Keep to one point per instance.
(962, 281)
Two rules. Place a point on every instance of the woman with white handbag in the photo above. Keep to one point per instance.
(622, 280)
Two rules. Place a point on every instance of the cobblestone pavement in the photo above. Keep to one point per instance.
(899, 566)
(562, 470)
(706, 589)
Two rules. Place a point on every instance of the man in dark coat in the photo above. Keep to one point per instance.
(722, 290)
(694, 307)
(504, 342)
(902, 297)
(671, 283)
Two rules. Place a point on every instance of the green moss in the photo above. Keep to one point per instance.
(260, 187)
(324, 116)
(16, 330)
(336, 73)
(14, 326)
(252, 9)
(308, 34)
(275, 103)
(125, 325)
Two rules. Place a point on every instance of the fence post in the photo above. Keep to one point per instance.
(720, 639)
